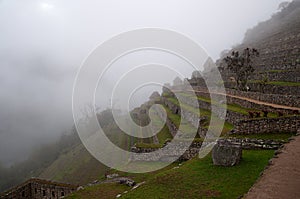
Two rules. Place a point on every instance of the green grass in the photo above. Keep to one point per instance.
(266, 136)
(103, 191)
(284, 83)
(72, 166)
(227, 127)
(197, 178)
(230, 107)
(163, 135)
(185, 126)
(201, 179)
(203, 112)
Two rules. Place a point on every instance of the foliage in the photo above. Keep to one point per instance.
(197, 178)
(241, 65)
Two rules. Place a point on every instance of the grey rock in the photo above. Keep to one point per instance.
(127, 181)
(226, 153)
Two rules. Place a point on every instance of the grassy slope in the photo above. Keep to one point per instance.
(197, 178)
(76, 166)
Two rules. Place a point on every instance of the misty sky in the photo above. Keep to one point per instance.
(43, 43)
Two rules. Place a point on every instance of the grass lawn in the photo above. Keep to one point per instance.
(103, 191)
(201, 179)
(197, 178)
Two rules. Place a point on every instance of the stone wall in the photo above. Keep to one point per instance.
(191, 117)
(267, 125)
(287, 100)
(278, 51)
(252, 143)
(269, 88)
(170, 153)
(231, 116)
(278, 76)
(39, 189)
(194, 148)
(279, 59)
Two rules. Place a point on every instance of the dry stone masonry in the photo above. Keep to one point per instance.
(39, 189)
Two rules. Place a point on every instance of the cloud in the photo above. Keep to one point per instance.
(43, 43)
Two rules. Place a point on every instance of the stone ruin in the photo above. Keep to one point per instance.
(227, 153)
(38, 189)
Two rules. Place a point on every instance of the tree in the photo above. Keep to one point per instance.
(263, 82)
(241, 66)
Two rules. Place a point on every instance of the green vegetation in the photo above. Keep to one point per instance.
(103, 191)
(197, 178)
(70, 167)
(285, 83)
(164, 134)
(203, 112)
(227, 127)
(40, 159)
(231, 107)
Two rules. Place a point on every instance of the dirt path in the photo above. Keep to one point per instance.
(262, 103)
(254, 101)
(282, 178)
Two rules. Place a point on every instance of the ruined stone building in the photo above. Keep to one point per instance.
(39, 189)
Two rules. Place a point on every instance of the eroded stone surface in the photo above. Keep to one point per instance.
(227, 153)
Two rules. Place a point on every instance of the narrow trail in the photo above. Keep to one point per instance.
(278, 106)
(261, 102)
(282, 178)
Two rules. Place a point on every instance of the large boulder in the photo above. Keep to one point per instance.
(226, 153)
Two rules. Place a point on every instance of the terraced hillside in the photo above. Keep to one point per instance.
(278, 42)
(261, 119)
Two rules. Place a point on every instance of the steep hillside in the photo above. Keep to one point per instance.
(252, 116)
(278, 42)
(75, 166)
(260, 120)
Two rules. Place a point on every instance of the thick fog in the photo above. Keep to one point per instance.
(43, 43)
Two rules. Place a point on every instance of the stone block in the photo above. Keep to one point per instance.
(226, 153)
